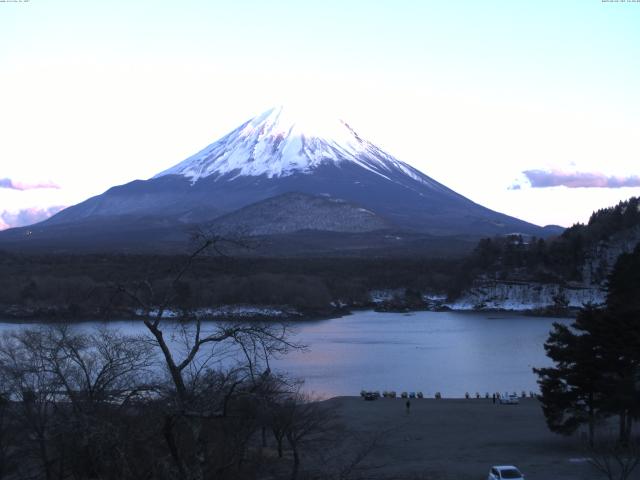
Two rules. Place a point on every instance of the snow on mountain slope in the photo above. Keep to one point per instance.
(292, 212)
(283, 141)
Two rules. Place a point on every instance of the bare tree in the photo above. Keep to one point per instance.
(312, 429)
(191, 350)
(99, 374)
(614, 460)
(69, 391)
(306, 423)
(102, 367)
(33, 389)
(5, 447)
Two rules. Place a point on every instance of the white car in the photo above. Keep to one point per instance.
(511, 399)
(504, 472)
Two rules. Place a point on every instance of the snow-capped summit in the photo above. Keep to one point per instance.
(283, 141)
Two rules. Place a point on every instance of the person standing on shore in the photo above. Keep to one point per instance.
(408, 405)
(494, 398)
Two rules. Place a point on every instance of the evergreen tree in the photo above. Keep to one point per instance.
(572, 390)
(597, 360)
(622, 339)
(623, 298)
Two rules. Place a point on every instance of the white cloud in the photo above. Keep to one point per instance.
(26, 216)
(18, 185)
(576, 179)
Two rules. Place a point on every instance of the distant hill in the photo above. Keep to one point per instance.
(294, 212)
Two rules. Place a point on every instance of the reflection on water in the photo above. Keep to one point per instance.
(449, 352)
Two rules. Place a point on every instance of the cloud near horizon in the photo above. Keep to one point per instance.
(26, 216)
(15, 185)
(556, 178)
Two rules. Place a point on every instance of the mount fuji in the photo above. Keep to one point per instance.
(280, 173)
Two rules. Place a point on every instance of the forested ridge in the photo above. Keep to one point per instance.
(559, 259)
(70, 286)
(84, 286)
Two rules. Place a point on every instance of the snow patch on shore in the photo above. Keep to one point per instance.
(521, 296)
(226, 311)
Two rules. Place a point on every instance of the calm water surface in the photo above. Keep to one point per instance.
(449, 352)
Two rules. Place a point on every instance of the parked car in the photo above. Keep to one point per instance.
(505, 472)
(370, 395)
(509, 399)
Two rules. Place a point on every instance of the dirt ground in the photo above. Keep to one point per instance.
(460, 439)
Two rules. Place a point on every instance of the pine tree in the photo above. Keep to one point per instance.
(622, 338)
(572, 390)
(597, 360)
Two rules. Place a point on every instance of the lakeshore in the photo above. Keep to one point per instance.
(461, 439)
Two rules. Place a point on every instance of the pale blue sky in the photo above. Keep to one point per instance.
(473, 93)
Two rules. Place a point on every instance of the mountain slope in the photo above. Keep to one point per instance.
(280, 152)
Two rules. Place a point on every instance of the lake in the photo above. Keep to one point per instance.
(447, 352)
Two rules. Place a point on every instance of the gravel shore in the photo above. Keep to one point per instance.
(460, 439)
